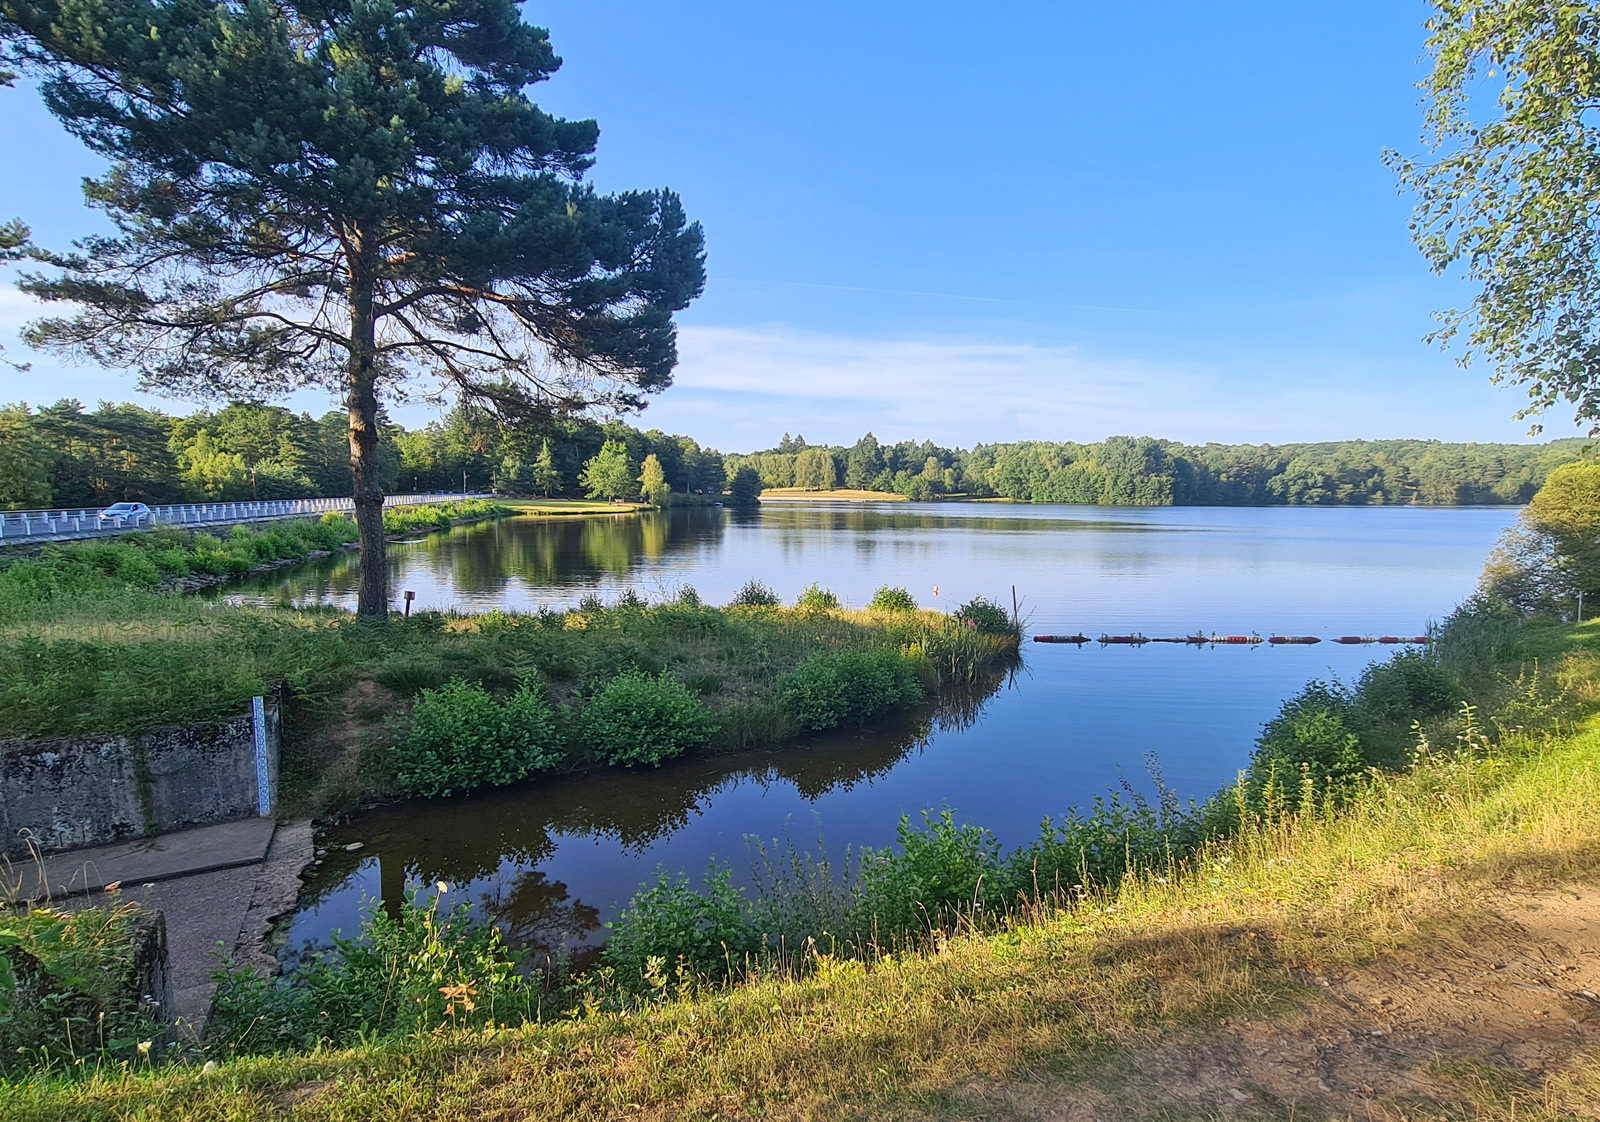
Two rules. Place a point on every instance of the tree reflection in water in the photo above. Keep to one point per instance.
(490, 846)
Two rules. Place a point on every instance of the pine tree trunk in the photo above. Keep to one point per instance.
(372, 600)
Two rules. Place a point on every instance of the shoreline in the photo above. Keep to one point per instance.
(842, 495)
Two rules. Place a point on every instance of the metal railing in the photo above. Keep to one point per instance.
(89, 522)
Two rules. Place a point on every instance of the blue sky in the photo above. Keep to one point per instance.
(990, 222)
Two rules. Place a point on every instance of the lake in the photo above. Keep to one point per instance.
(553, 860)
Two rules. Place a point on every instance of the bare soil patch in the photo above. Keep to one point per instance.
(1501, 1011)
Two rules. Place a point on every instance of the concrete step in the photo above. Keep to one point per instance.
(204, 849)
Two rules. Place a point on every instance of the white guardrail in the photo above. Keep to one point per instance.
(62, 525)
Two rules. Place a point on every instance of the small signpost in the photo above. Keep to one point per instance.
(258, 718)
(410, 596)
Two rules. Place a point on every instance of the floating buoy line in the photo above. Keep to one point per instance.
(1215, 640)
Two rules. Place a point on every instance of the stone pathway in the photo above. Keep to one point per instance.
(219, 887)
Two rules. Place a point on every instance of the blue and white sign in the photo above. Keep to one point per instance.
(258, 714)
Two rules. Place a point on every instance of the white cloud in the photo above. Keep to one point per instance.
(739, 388)
(743, 387)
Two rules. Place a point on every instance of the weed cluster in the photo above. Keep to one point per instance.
(70, 988)
(440, 516)
(424, 969)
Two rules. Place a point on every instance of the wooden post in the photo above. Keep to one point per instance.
(410, 596)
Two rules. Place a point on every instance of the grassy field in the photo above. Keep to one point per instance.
(842, 495)
(571, 506)
(1423, 954)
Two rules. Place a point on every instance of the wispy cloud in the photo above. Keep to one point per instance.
(742, 387)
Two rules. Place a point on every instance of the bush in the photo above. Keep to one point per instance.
(637, 719)
(1307, 755)
(939, 869)
(755, 595)
(888, 599)
(828, 689)
(669, 924)
(815, 599)
(985, 617)
(69, 987)
(1094, 850)
(421, 971)
(460, 738)
(1390, 696)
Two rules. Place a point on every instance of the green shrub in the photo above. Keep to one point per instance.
(69, 987)
(755, 595)
(669, 925)
(1093, 850)
(830, 688)
(638, 719)
(424, 970)
(888, 599)
(460, 738)
(985, 617)
(938, 870)
(1306, 754)
(135, 567)
(173, 562)
(815, 599)
(1391, 696)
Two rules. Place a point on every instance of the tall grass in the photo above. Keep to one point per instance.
(85, 649)
(1331, 748)
(1082, 983)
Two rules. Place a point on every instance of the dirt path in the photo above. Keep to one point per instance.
(1507, 1008)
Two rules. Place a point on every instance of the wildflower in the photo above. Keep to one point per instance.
(442, 886)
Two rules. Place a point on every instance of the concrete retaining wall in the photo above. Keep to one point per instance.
(76, 791)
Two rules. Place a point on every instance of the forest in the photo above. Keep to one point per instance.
(67, 455)
(1145, 471)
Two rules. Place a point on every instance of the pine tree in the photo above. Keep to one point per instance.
(344, 196)
(544, 476)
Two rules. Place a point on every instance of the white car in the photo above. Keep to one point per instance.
(125, 514)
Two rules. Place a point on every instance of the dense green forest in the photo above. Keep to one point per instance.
(65, 455)
(1144, 471)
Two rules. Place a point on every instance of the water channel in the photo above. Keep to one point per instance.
(553, 860)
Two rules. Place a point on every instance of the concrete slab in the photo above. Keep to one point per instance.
(204, 913)
(186, 853)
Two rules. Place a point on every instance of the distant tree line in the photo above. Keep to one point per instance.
(66, 455)
(1145, 471)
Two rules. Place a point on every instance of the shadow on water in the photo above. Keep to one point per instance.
(491, 845)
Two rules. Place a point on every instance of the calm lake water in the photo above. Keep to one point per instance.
(552, 861)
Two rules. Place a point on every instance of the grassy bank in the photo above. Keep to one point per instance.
(90, 643)
(1126, 998)
(571, 506)
(841, 495)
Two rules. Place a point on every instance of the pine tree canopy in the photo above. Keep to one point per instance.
(345, 194)
(273, 165)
